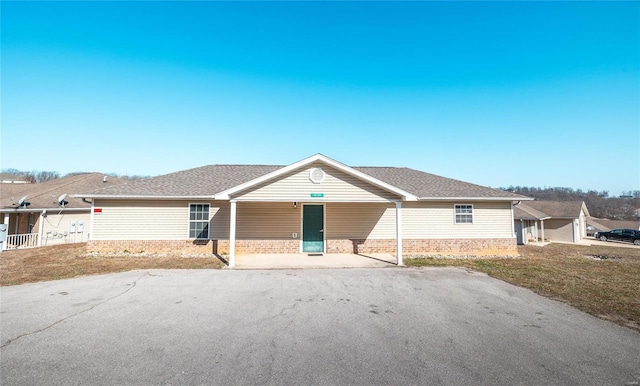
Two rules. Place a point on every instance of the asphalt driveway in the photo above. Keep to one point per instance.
(344, 326)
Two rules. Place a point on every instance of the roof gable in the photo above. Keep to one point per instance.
(317, 158)
(316, 181)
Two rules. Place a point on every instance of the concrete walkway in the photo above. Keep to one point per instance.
(312, 260)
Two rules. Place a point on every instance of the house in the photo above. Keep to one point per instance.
(527, 222)
(550, 220)
(316, 205)
(602, 225)
(46, 213)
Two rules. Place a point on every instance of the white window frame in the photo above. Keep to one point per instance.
(190, 221)
(456, 214)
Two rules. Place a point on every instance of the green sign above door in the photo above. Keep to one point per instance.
(317, 194)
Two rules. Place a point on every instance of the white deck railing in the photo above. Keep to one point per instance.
(25, 240)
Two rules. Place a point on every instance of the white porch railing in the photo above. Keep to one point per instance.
(25, 240)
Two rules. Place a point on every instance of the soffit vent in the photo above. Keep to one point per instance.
(316, 175)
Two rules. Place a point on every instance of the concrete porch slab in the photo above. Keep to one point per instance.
(311, 260)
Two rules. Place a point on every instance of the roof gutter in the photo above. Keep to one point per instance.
(141, 197)
(502, 199)
(19, 210)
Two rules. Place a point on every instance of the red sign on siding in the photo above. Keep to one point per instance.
(97, 210)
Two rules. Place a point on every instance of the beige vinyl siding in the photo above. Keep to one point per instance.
(558, 230)
(169, 220)
(436, 220)
(60, 223)
(337, 186)
(274, 220)
(360, 221)
(153, 220)
(219, 213)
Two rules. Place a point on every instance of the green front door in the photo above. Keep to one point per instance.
(312, 228)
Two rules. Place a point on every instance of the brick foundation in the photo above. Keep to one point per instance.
(160, 246)
(456, 247)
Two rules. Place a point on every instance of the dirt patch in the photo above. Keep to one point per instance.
(71, 260)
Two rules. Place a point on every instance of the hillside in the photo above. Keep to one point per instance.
(599, 203)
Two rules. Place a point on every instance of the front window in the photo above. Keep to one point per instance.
(464, 214)
(199, 221)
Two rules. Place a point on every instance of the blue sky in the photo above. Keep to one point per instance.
(494, 93)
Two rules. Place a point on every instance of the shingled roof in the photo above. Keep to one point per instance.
(426, 185)
(44, 195)
(207, 181)
(524, 212)
(552, 209)
(602, 224)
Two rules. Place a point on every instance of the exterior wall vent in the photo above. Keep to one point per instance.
(316, 175)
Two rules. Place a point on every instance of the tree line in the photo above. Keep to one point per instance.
(36, 176)
(599, 204)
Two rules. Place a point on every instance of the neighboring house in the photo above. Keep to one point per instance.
(316, 205)
(8, 178)
(602, 225)
(529, 224)
(48, 214)
(558, 221)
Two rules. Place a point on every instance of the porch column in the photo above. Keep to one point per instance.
(41, 226)
(6, 227)
(536, 232)
(232, 235)
(542, 230)
(399, 232)
(523, 233)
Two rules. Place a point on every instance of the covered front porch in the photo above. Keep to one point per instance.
(314, 260)
(314, 233)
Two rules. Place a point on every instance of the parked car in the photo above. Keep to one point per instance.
(629, 235)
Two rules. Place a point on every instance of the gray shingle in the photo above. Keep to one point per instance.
(202, 181)
(524, 212)
(557, 209)
(207, 181)
(426, 185)
(44, 195)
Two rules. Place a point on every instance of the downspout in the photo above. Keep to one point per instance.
(513, 225)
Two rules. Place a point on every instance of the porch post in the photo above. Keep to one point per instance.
(399, 232)
(41, 226)
(6, 227)
(536, 233)
(542, 229)
(232, 236)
